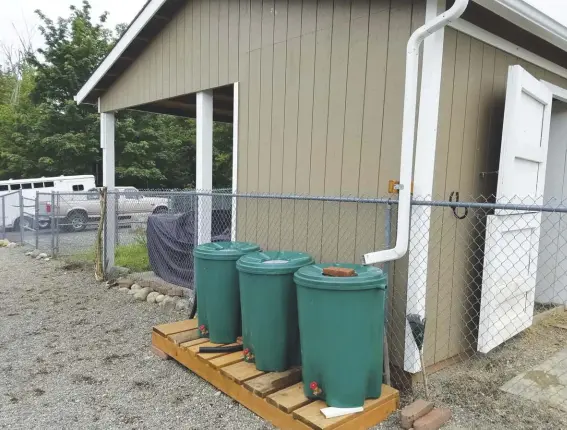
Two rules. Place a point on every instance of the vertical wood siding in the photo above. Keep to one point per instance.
(321, 98)
(472, 103)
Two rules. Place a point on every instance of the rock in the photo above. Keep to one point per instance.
(43, 255)
(35, 253)
(46, 259)
(168, 289)
(142, 294)
(12, 245)
(125, 282)
(27, 254)
(130, 291)
(160, 298)
(116, 272)
(123, 289)
(110, 284)
(152, 297)
(135, 287)
(169, 303)
(38, 257)
(182, 304)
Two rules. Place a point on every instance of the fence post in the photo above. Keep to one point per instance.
(35, 220)
(109, 240)
(52, 224)
(56, 210)
(21, 219)
(387, 239)
(117, 218)
(3, 217)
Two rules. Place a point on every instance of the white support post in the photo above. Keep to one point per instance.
(234, 160)
(423, 182)
(107, 125)
(204, 164)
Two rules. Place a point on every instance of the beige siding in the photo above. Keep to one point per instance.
(470, 129)
(321, 97)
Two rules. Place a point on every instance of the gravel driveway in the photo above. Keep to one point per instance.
(75, 355)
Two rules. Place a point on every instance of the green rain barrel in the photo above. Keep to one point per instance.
(218, 293)
(341, 321)
(268, 299)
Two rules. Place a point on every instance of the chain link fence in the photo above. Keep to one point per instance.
(489, 277)
(10, 212)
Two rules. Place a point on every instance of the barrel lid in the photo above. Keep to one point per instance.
(367, 277)
(273, 262)
(224, 250)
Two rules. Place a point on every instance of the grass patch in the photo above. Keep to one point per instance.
(133, 256)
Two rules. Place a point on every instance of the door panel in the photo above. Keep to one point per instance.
(512, 237)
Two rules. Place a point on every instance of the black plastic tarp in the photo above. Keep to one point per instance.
(171, 238)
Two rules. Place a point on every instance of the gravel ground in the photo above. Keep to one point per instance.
(471, 388)
(75, 355)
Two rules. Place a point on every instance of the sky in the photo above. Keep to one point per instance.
(17, 17)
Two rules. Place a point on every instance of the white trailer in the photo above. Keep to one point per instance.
(29, 189)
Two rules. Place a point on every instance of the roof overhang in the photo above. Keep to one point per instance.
(144, 17)
(157, 13)
(529, 18)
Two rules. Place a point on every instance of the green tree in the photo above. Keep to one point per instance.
(47, 133)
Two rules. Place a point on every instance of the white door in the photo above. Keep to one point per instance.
(512, 237)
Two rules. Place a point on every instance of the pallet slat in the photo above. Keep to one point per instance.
(271, 382)
(185, 336)
(227, 360)
(176, 327)
(311, 414)
(208, 355)
(241, 372)
(289, 399)
(187, 345)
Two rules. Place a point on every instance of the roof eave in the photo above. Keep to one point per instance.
(518, 12)
(147, 13)
(528, 17)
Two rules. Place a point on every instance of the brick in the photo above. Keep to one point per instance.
(159, 353)
(433, 420)
(341, 272)
(414, 411)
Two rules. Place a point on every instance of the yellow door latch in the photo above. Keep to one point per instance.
(394, 187)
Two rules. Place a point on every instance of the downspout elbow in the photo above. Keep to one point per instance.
(408, 132)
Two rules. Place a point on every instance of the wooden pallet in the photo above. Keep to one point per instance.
(277, 397)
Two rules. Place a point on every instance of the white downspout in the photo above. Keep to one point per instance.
(408, 132)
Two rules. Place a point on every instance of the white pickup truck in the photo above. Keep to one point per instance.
(77, 209)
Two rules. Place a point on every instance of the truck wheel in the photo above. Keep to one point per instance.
(26, 222)
(160, 210)
(77, 221)
(43, 224)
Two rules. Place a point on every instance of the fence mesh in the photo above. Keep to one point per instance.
(489, 277)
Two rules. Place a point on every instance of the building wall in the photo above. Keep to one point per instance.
(470, 130)
(321, 98)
